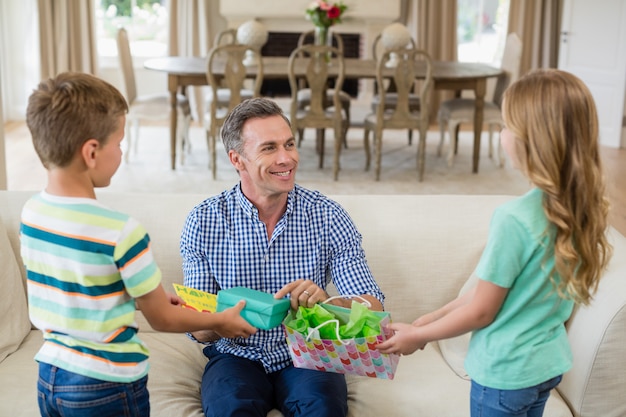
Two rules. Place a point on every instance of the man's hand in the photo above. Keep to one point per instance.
(304, 292)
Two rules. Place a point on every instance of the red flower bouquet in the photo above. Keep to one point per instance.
(324, 14)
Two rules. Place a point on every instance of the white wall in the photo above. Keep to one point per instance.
(598, 57)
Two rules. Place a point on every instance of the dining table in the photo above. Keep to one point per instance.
(184, 71)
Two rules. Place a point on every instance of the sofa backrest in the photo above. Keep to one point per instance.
(417, 269)
(421, 249)
(14, 325)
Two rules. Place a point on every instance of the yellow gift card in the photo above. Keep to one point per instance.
(196, 299)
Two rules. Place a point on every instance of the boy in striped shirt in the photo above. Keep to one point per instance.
(89, 266)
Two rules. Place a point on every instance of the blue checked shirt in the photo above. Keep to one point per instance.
(224, 245)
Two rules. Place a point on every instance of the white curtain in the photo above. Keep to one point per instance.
(19, 62)
(19, 66)
(193, 25)
(538, 24)
(67, 36)
(432, 24)
(3, 158)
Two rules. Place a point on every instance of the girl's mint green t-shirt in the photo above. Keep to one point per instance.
(527, 343)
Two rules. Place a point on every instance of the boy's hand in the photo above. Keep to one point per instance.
(232, 324)
(405, 340)
(174, 299)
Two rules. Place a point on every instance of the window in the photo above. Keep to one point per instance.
(145, 20)
(481, 30)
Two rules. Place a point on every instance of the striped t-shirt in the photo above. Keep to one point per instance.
(85, 264)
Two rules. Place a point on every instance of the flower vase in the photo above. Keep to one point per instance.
(322, 37)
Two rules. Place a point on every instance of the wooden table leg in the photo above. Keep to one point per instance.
(173, 88)
(481, 86)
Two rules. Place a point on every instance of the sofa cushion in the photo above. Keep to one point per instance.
(15, 324)
(434, 243)
(416, 390)
(455, 349)
(598, 335)
(18, 379)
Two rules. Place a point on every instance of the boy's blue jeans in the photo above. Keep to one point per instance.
(64, 393)
(527, 402)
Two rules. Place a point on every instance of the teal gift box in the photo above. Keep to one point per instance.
(262, 310)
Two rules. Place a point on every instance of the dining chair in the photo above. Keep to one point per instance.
(452, 113)
(226, 60)
(314, 69)
(304, 93)
(391, 96)
(225, 37)
(155, 107)
(414, 70)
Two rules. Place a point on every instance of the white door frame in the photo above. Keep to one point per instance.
(593, 47)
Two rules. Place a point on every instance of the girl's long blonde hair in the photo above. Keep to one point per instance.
(553, 117)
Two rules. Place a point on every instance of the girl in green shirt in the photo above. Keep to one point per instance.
(545, 252)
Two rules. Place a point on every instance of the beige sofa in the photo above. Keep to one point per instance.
(422, 249)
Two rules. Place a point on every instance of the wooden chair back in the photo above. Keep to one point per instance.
(308, 38)
(225, 37)
(414, 69)
(126, 63)
(317, 66)
(316, 74)
(225, 70)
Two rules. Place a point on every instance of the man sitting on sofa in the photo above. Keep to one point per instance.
(269, 234)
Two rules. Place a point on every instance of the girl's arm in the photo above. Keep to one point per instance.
(474, 310)
(452, 305)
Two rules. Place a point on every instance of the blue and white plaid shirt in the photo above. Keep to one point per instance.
(224, 245)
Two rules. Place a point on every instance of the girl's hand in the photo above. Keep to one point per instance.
(425, 319)
(405, 341)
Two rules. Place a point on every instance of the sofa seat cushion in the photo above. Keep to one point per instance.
(176, 368)
(177, 364)
(416, 391)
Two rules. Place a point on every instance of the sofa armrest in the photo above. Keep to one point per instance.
(596, 384)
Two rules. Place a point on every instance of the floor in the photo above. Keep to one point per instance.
(615, 170)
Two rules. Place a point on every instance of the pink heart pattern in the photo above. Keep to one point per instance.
(358, 357)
